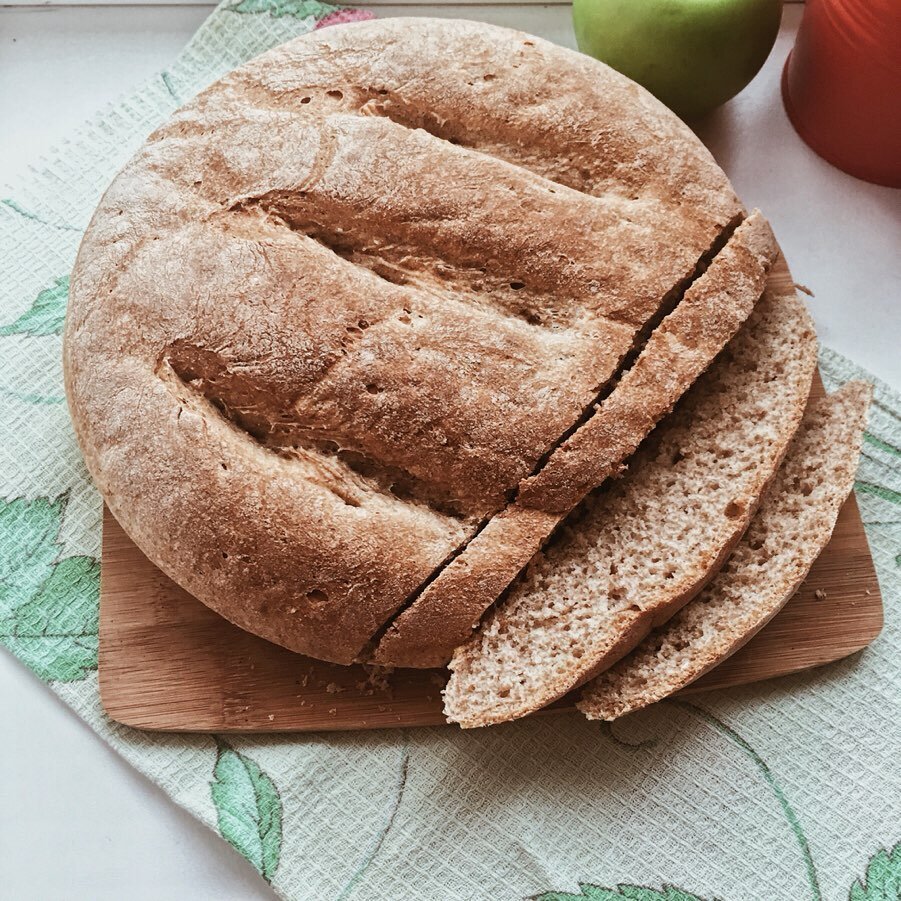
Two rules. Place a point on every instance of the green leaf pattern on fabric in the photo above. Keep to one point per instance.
(621, 893)
(7, 203)
(299, 9)
(875, 441)
(248, 809)
(28, 548)
(48, 606)
(882, 881)
(887, 494)
(47, 312)
(883, 878)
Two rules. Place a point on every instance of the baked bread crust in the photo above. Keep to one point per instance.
(351, 296)
(676, 353)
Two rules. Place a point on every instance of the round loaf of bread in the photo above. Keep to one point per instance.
(346, 300)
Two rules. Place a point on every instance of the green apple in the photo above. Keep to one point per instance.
(692, 54)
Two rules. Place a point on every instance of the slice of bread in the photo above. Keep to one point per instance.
(675, 354)
(629, 558)
(791, 528)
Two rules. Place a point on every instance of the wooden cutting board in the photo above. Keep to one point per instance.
(167, 662)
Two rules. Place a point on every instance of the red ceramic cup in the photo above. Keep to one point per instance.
(842, 86)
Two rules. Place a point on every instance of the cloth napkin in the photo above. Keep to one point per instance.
(781, 791)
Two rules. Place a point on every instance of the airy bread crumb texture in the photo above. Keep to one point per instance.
(629, 557)
(792, 526)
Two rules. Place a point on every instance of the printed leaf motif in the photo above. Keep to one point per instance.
(48, 607)
(10, 204)
(883, 878)
(870, 438)
(887, 494)
(300, 9)
(621, 893)
(55, 632)
(28, 548)
(47, 312)
(248, 808)
(56, 658)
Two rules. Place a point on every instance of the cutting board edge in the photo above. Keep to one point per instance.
(160, 723)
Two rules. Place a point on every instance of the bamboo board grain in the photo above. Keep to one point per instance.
(167, 662)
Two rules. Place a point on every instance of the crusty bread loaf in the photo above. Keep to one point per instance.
(632, 556)
(677, 352)
(350, 296)
(790, 529)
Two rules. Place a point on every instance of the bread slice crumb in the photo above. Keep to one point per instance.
(789, 531)
(629, 558)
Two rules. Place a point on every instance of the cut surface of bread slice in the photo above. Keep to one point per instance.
(790, 529)
(676, 353)
(349, 296)
(628, 558)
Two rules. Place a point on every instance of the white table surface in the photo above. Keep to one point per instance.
(76, 822)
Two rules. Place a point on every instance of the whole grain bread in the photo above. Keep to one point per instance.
(790, 529)
(628, 558)
(676, 353)
(351, 295)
